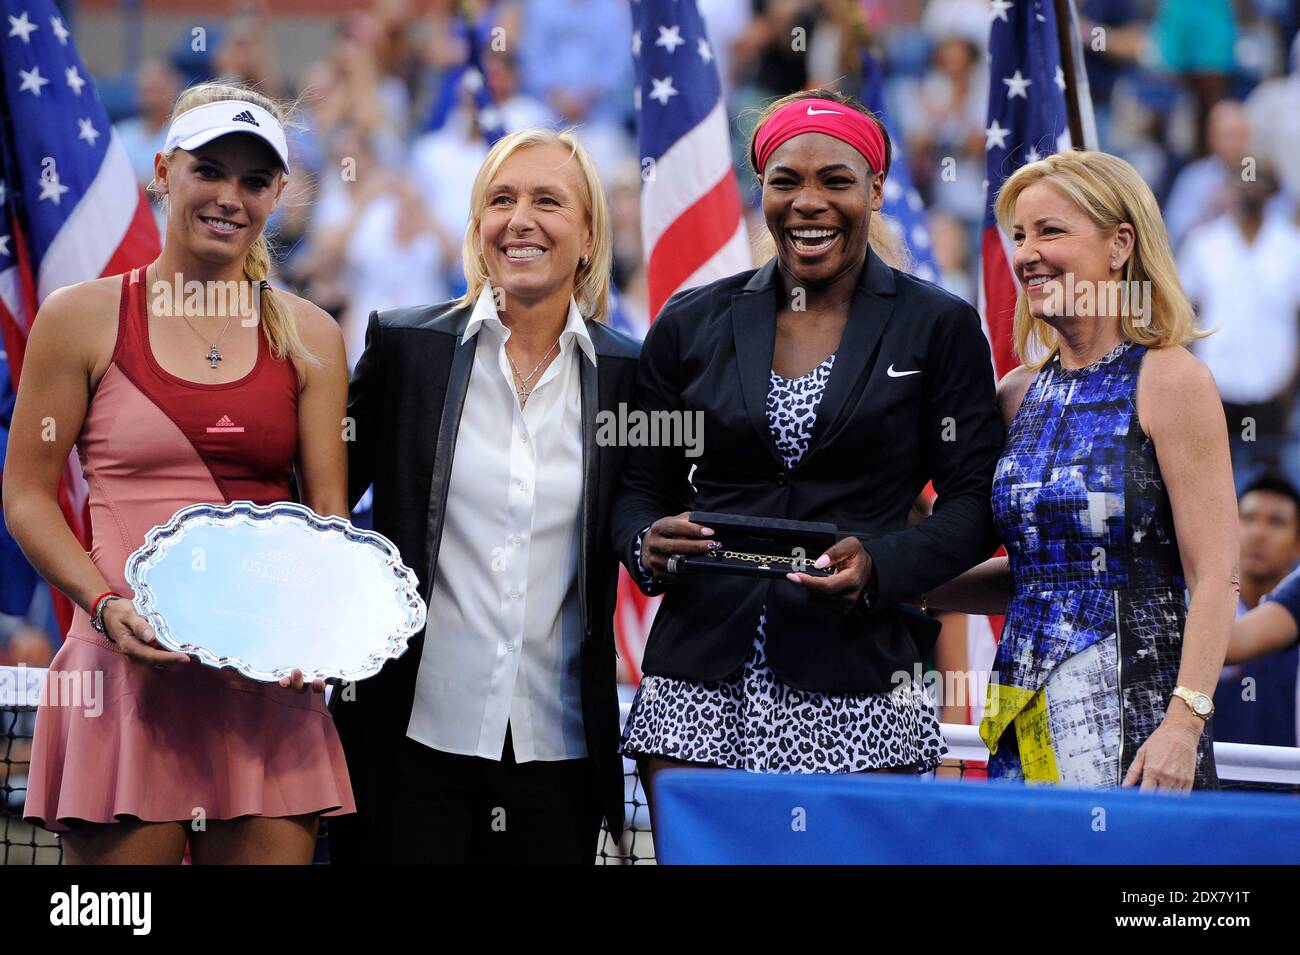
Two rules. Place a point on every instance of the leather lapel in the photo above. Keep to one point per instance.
(753, 325)
(588, 380)
(462, 363)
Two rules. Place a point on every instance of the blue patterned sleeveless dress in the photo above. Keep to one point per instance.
(1093, 637)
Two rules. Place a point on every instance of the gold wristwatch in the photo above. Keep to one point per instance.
(1199, 703)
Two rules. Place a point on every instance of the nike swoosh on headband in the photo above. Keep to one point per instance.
(900, 374)
(821, 112)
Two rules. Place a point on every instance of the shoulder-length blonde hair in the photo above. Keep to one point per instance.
(883, 234)
(1110, 192)
(591, 281)
(279, 323)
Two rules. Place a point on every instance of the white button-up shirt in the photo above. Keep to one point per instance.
(503, 639)
(1250, 292)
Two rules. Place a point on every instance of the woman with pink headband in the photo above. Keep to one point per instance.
(831, 387)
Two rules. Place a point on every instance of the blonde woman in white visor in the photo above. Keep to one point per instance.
(167, 410)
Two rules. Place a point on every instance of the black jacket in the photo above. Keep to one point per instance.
(880, 435)
(405, 402)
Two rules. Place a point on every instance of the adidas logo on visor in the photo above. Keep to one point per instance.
(246, 117)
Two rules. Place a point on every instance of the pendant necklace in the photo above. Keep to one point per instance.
(214, 354)
(524, 380)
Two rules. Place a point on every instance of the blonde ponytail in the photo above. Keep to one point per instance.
(279, 324)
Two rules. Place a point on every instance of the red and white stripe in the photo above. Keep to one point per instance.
(692, 223)
(111, 230)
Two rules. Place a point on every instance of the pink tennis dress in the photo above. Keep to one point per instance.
(117, 739)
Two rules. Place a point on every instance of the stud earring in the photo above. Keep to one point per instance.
(1114, 264)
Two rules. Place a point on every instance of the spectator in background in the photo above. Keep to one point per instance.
(244, 55)
(444, 164)
(726, 22)
(1124, 42)
(353, 172)
(1195, 40)
(576, 56)
(157, 84)
(951, 245)
(518, 109)
(1202, 190)
(945, 130)
(1240, 271)
(391, 251)
(629, 275)
(770, 51)
(1256, 700)
(354, 92)
(1274, 109)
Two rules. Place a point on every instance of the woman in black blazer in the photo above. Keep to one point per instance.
(832, 388)
(494, 737)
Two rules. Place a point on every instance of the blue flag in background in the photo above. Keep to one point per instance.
(18, 579)
(902, 201)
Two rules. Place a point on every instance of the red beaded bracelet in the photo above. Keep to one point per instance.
(94, 605)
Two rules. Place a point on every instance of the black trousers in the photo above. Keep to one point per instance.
(458, 810)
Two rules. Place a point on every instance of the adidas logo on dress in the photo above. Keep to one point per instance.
(246, 117)
(224, 425)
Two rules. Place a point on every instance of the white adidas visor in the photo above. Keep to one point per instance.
(199, 126)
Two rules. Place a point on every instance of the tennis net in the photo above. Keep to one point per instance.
(1240, 766)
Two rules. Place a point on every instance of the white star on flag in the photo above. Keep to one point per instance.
(1032, 155)
(703, 49)
(51, 188)
(4, 245)
(636, 42)
(88, 132)
(995, 134)
(663, 90)
(22, 27)
(74, 79)
(670, 38)
(1060, 78)
(999, 10)
(60, 31)
(32, 81)
(1018, 86)
(3, 193)
(920, 236)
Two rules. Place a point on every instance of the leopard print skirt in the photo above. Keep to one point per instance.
(752, 720)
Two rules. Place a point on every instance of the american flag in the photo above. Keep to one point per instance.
(1028, 119)
(902, 203)
(692, 227)
(70, 206)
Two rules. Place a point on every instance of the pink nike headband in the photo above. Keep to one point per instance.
(820, 116)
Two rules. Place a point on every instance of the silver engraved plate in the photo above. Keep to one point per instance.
(265, 590)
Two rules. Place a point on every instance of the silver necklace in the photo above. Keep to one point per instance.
(214, 355)
(524, 380)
